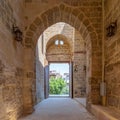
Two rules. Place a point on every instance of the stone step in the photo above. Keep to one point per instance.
(105, 113)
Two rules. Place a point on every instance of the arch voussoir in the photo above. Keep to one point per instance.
(44, 20)
(66, 14)
(62, 7)
(75, 12)
(56, 14)
(33, 27)
(50, 17)
(37, 21)
(78, 19)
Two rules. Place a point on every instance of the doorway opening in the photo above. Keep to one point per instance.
(59, 80)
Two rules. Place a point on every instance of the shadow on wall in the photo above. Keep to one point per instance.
(39, 76)
(11, 105)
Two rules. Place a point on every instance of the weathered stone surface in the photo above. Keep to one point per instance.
(11, 61)
(112, 56)
(79, 61)
(1, 66)
(85, 16)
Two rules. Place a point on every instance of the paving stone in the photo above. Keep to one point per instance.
(59, 109)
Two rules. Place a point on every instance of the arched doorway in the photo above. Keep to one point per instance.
(78, 20)
(59, 57)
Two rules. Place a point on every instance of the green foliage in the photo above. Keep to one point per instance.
(57, 86)
(65, 90)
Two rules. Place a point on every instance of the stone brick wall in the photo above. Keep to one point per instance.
(11, 61)
(72, 51)
(85, 16)
(112, 54)
(79, 63)
(58, 53)
(39, 71)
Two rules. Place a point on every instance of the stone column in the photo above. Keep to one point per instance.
(79, 62)
(29, 80)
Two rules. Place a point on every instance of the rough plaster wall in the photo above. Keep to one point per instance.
(89, 12)
(79, 63)
(53, 30)
(58, 53)
(58, 28)
(39, 71)
(11, 61)
(112, 54)
(68, 31)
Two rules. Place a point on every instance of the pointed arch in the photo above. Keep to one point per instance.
(61, 13)
(76, 18)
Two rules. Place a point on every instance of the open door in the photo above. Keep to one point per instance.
(46, 85)
(71, 79)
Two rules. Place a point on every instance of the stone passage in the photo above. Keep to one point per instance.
(59, 109)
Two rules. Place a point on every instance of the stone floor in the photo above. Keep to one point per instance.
(82, 101)
(59, 109)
